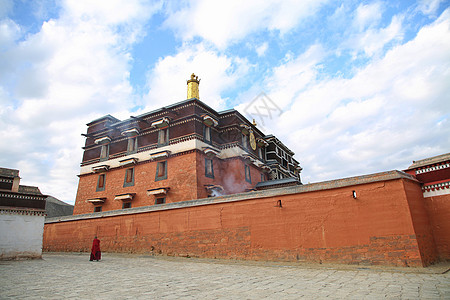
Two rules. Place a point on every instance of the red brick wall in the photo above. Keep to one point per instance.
(438, 208)
(325, 225)
(421, 222)
(229, 173)
(185, 177)
(181, 178)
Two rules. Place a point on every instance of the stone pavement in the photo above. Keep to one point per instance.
(119, 276)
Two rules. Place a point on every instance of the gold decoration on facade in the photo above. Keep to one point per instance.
(252, 140)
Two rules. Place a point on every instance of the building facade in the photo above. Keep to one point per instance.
(22, 214)
(180, 152)
(172, 182)
(434, 175)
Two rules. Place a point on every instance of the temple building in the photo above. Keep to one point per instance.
(433, 173)
(180, 152)
(186, 180)
(22, 214)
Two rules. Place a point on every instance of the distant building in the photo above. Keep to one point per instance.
(180, 152)
(22, 214)
(433, 173)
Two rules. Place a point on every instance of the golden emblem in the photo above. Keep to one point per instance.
(252, 140)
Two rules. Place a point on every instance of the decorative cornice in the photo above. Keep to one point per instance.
(436, 186)
(433, 168)
(15, 195)
(22, 211)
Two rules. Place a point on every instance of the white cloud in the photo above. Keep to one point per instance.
(223, 22)
(374, 40)
(429, 7)
(366, 36)
(73, 70)
(77, 68)
(367, 15)
(217, 72)
(261, 50)
(9, 33)
(389, 113)
(294, 75)
(6, 7)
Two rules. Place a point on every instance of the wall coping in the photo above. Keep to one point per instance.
(325, 185)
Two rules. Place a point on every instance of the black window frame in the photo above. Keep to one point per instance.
(160, 202)
(206, 129)
(165, 142)
(132, 143)
(245, 141)
(129, 183)
(104, 154)
(99, 188)
(158, 164)
(247, 172)
(207, 174)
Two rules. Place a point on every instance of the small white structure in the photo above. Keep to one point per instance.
(21, 232)
(22, 216)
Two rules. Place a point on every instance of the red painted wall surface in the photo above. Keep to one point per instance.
(325, 225)
(185, 177)
(438, 208)
(421, 222)
(181, 178)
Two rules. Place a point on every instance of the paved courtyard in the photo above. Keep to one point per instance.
(61, 276)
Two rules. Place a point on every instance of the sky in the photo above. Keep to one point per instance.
(352, 87)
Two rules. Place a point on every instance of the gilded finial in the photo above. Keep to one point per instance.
(192, 90)
(254, 122)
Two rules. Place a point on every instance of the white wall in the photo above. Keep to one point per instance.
(21, 234)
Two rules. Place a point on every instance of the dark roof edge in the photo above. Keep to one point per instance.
(326, 185)
(429, 161)
(277, 140)
(277, 182)
(244, 118)
(218, 113)
(6, 172)
(179, 103)
(108, 116)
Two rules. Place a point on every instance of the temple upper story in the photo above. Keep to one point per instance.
(182, 126)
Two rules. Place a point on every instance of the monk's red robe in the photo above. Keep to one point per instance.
(96, 254)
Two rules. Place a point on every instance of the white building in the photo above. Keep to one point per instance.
(22, 215)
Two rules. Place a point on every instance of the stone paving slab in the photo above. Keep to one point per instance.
(118, 276)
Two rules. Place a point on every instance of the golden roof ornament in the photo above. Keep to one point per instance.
(192, 87)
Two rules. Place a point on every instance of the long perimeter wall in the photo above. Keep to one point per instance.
(386, 224)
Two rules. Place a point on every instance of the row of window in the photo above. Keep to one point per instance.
(161, 174)
(125, 205)
(163, 140)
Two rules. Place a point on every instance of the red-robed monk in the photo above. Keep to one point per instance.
(96, 254)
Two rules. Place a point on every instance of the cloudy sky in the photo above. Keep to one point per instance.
(355, 87)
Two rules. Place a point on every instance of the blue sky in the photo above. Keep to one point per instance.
(360, 86)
